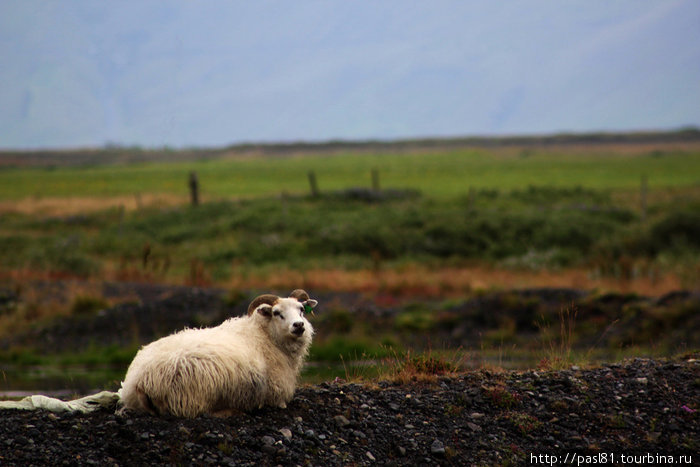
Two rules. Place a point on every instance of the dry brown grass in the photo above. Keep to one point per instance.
(412, 280)
(658, 196)
(422, 367)
(418, 280)
(78, 205)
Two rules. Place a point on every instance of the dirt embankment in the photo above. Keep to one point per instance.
(639, 408)
(669, 324)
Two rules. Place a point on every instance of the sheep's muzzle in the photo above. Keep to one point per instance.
(298, 328)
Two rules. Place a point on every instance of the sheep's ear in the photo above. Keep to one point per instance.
(265, 310)
(303, 298)
(309, 306)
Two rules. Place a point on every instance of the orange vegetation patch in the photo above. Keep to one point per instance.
(77, 205)
(449, 282)
(407, 281)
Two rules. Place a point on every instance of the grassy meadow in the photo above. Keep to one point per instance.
(436, 173)
(524, 209)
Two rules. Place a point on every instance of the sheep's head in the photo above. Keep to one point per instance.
(285, 317)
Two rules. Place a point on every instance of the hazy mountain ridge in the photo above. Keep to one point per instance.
(184, 74)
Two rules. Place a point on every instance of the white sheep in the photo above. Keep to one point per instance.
(242, 364)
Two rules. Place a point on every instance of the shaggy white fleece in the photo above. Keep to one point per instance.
(244, 363)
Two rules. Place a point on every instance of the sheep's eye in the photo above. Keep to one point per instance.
(277, 313)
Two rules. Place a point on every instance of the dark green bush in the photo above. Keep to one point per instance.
(546, 226)
(273, 231)
(549, 195)
(88, 304)
(677, 230)
(64, 255)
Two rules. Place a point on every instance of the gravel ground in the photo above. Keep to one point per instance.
(639, 408)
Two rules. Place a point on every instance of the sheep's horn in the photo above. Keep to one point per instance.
(300, 295)
(259, 300)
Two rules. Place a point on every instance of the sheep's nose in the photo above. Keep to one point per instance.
(298, 327)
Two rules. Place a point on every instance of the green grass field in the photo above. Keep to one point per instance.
(537, 207)
(440, 174)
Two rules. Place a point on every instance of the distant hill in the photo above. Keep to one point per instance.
(192, 74)
(116, 154)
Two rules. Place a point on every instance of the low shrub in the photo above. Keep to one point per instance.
(87, 304)
(535, 228)
(64, 255)
(677, 230)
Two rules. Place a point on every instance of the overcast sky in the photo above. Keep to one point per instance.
(210, 73)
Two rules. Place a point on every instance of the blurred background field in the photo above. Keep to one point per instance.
(440, 171)
(626, 211)
(428, 236)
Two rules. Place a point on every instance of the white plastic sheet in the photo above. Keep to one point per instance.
(86, 404)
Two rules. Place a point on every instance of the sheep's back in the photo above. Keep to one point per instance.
(200, 370)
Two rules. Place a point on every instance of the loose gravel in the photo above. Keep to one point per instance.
(638, 408)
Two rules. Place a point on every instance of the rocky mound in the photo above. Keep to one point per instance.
(639, 408)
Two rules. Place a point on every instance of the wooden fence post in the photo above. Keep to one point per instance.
(375, 179)
(313, 184)
(643, 197)
(194, 188)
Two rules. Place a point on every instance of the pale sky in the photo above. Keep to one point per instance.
(181, 73)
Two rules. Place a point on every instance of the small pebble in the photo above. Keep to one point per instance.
(269, 449)
(473, 426)
(341, 420)
(437, 448)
